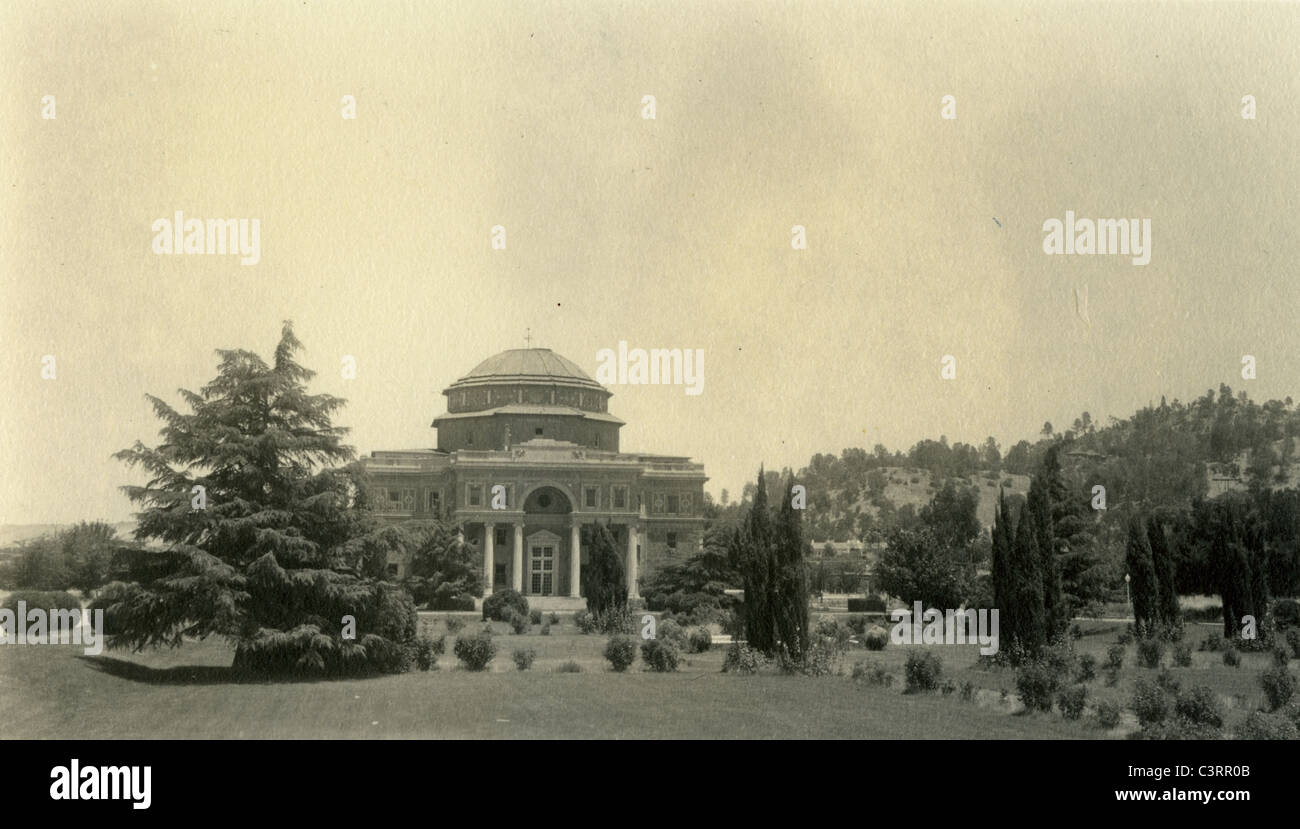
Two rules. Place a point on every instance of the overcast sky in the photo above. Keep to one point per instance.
(925, 235)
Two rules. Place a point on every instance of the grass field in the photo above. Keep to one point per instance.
(54, 691)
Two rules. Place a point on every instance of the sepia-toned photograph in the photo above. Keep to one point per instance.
(664, 370)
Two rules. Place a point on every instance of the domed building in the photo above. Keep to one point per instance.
(527, 455)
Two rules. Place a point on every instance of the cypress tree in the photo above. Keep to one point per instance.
(1163, 561)
(1029, 629)
(752, 552)
(1143, 586)
(1039, 510)
(790, 587)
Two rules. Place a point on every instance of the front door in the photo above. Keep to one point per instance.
(541, 570)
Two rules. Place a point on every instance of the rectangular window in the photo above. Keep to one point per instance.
(671, 504)
(433, 499)
(475, 495)
(592, 497)
(672, 541)
(537, 431)
(501, 536)
(620, 497)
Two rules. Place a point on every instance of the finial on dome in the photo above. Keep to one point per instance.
(528, 337)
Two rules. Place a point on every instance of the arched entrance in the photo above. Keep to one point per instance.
(546, 563)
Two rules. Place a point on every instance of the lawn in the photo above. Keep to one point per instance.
(54, 691)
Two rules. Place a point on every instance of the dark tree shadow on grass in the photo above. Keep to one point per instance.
(197, 674)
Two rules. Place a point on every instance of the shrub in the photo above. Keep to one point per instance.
(615, 620)
(1213, 642)
(535, 616)
(821, 659)
(554, 618)
(621, 652)
(948, 688)
(1037, 682)
(519, 623)
(836, 635)
(700, 640)
(1071, 701)
(873, 674)
(1166, 680)
(673, 633)
(661, 656)
(1087, 668)
(454, 624)
(857, 623)
(1108, 714)
(476, 651)
(451, 601)
(741, 659)
(922, 670)
(1115, 657)
(967, 692)
(1150, 703)
(1125, 636)
(546, 628)
(426, 653)
(1281, 656)
(1183, 655)
(1286, 614)
(524, 658)
(876, 638)
(1150, 651)
(1076, 632)
(1232, 657)
(440, 645)
(585, 621)
(1279, 686)
(1199, 706)
(495, 606)
(1261, 726)
(1112, 677)
(569, 667)
(1293, 640)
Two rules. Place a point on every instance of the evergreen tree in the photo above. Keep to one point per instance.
(604, 581)
(1038, 509)
(790, 588)
(265, 561)
(1143, 586)
(1000, 555)
(753, 557)
(1028, 616)
(1162, 560)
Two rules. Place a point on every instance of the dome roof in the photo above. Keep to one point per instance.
(528, 365)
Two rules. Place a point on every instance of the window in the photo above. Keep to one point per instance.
(542, 566)
(537, 431)
(620, 497)
(671, 505)
(501, 536)
(433, 500)
(475, 495)
(592, 495)
(672, 541)
(396, 500)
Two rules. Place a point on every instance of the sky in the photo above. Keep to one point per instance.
(924, 234)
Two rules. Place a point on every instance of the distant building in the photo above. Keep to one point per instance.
(535, 425)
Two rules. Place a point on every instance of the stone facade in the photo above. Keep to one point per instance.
(533, 424)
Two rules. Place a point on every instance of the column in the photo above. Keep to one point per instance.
(517, 560)
(630, 562)
(575, 559)
(489, 556)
